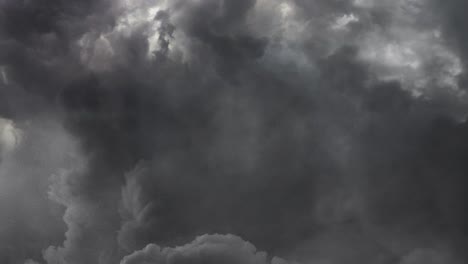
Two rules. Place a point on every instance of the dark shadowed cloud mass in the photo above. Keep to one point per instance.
(233, 131)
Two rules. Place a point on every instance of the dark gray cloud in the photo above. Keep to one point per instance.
(30, 153)
(320, 131)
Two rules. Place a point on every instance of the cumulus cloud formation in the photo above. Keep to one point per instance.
(204, 249)
(321, 131)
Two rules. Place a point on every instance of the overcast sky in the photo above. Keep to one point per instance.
(233, 132)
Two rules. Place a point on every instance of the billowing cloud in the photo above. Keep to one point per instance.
(29, 222)
(320, 131)
(204, 249)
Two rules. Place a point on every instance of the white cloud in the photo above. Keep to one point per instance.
(343, 21)
(410, 51)
(10, 136)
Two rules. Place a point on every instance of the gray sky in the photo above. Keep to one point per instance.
(233, 131)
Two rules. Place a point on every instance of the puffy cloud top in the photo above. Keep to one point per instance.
(204, 249)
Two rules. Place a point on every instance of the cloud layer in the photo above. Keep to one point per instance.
(319, 131)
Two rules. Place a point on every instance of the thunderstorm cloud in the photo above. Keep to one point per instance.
(233, 131)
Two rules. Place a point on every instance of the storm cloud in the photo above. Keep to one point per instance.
(223, 131)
